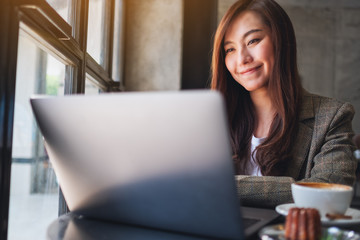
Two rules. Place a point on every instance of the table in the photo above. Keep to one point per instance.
(75, 227)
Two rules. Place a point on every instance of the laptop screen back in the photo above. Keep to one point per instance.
(155, 159)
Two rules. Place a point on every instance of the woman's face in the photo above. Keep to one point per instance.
(249, 51)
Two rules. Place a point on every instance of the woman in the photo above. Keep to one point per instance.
(279, 132)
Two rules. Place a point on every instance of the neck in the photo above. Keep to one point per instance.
(264, 112)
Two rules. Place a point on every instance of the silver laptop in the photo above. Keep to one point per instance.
(154, 159)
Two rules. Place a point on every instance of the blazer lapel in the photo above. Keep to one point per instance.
(303, 139)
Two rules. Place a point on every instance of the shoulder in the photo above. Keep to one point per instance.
(321, 106)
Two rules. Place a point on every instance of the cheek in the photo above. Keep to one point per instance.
(266, 52)
(229, 64)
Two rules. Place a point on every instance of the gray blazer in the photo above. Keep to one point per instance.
(323, 152)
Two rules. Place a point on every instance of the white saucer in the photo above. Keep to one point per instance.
(277, 232)
(284, 208)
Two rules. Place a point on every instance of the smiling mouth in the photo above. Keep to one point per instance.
(251, 70)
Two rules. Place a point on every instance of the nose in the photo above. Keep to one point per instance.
(244, 56)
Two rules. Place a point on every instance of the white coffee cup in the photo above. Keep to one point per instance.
(328, 198)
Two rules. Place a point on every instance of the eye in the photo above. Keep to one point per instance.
(253, 41)
(229, 50)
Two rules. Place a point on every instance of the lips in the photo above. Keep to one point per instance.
(250, 70)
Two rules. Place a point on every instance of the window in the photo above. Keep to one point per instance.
(49, 49)
(62, 7)
(95, 39)
(34, 189)
(92, 87)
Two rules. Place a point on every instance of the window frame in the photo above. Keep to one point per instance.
(68, 42)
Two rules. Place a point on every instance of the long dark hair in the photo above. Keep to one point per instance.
(284, 88)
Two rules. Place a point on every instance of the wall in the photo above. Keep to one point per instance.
(153, 45)
(200, 23)
(328, 33)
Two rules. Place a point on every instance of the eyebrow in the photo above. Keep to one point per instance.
(251, 31)
(246, 34)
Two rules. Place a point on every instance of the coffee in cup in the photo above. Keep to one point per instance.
(328, 198)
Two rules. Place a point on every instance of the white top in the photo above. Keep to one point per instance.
(357, 154)
(253, 168)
